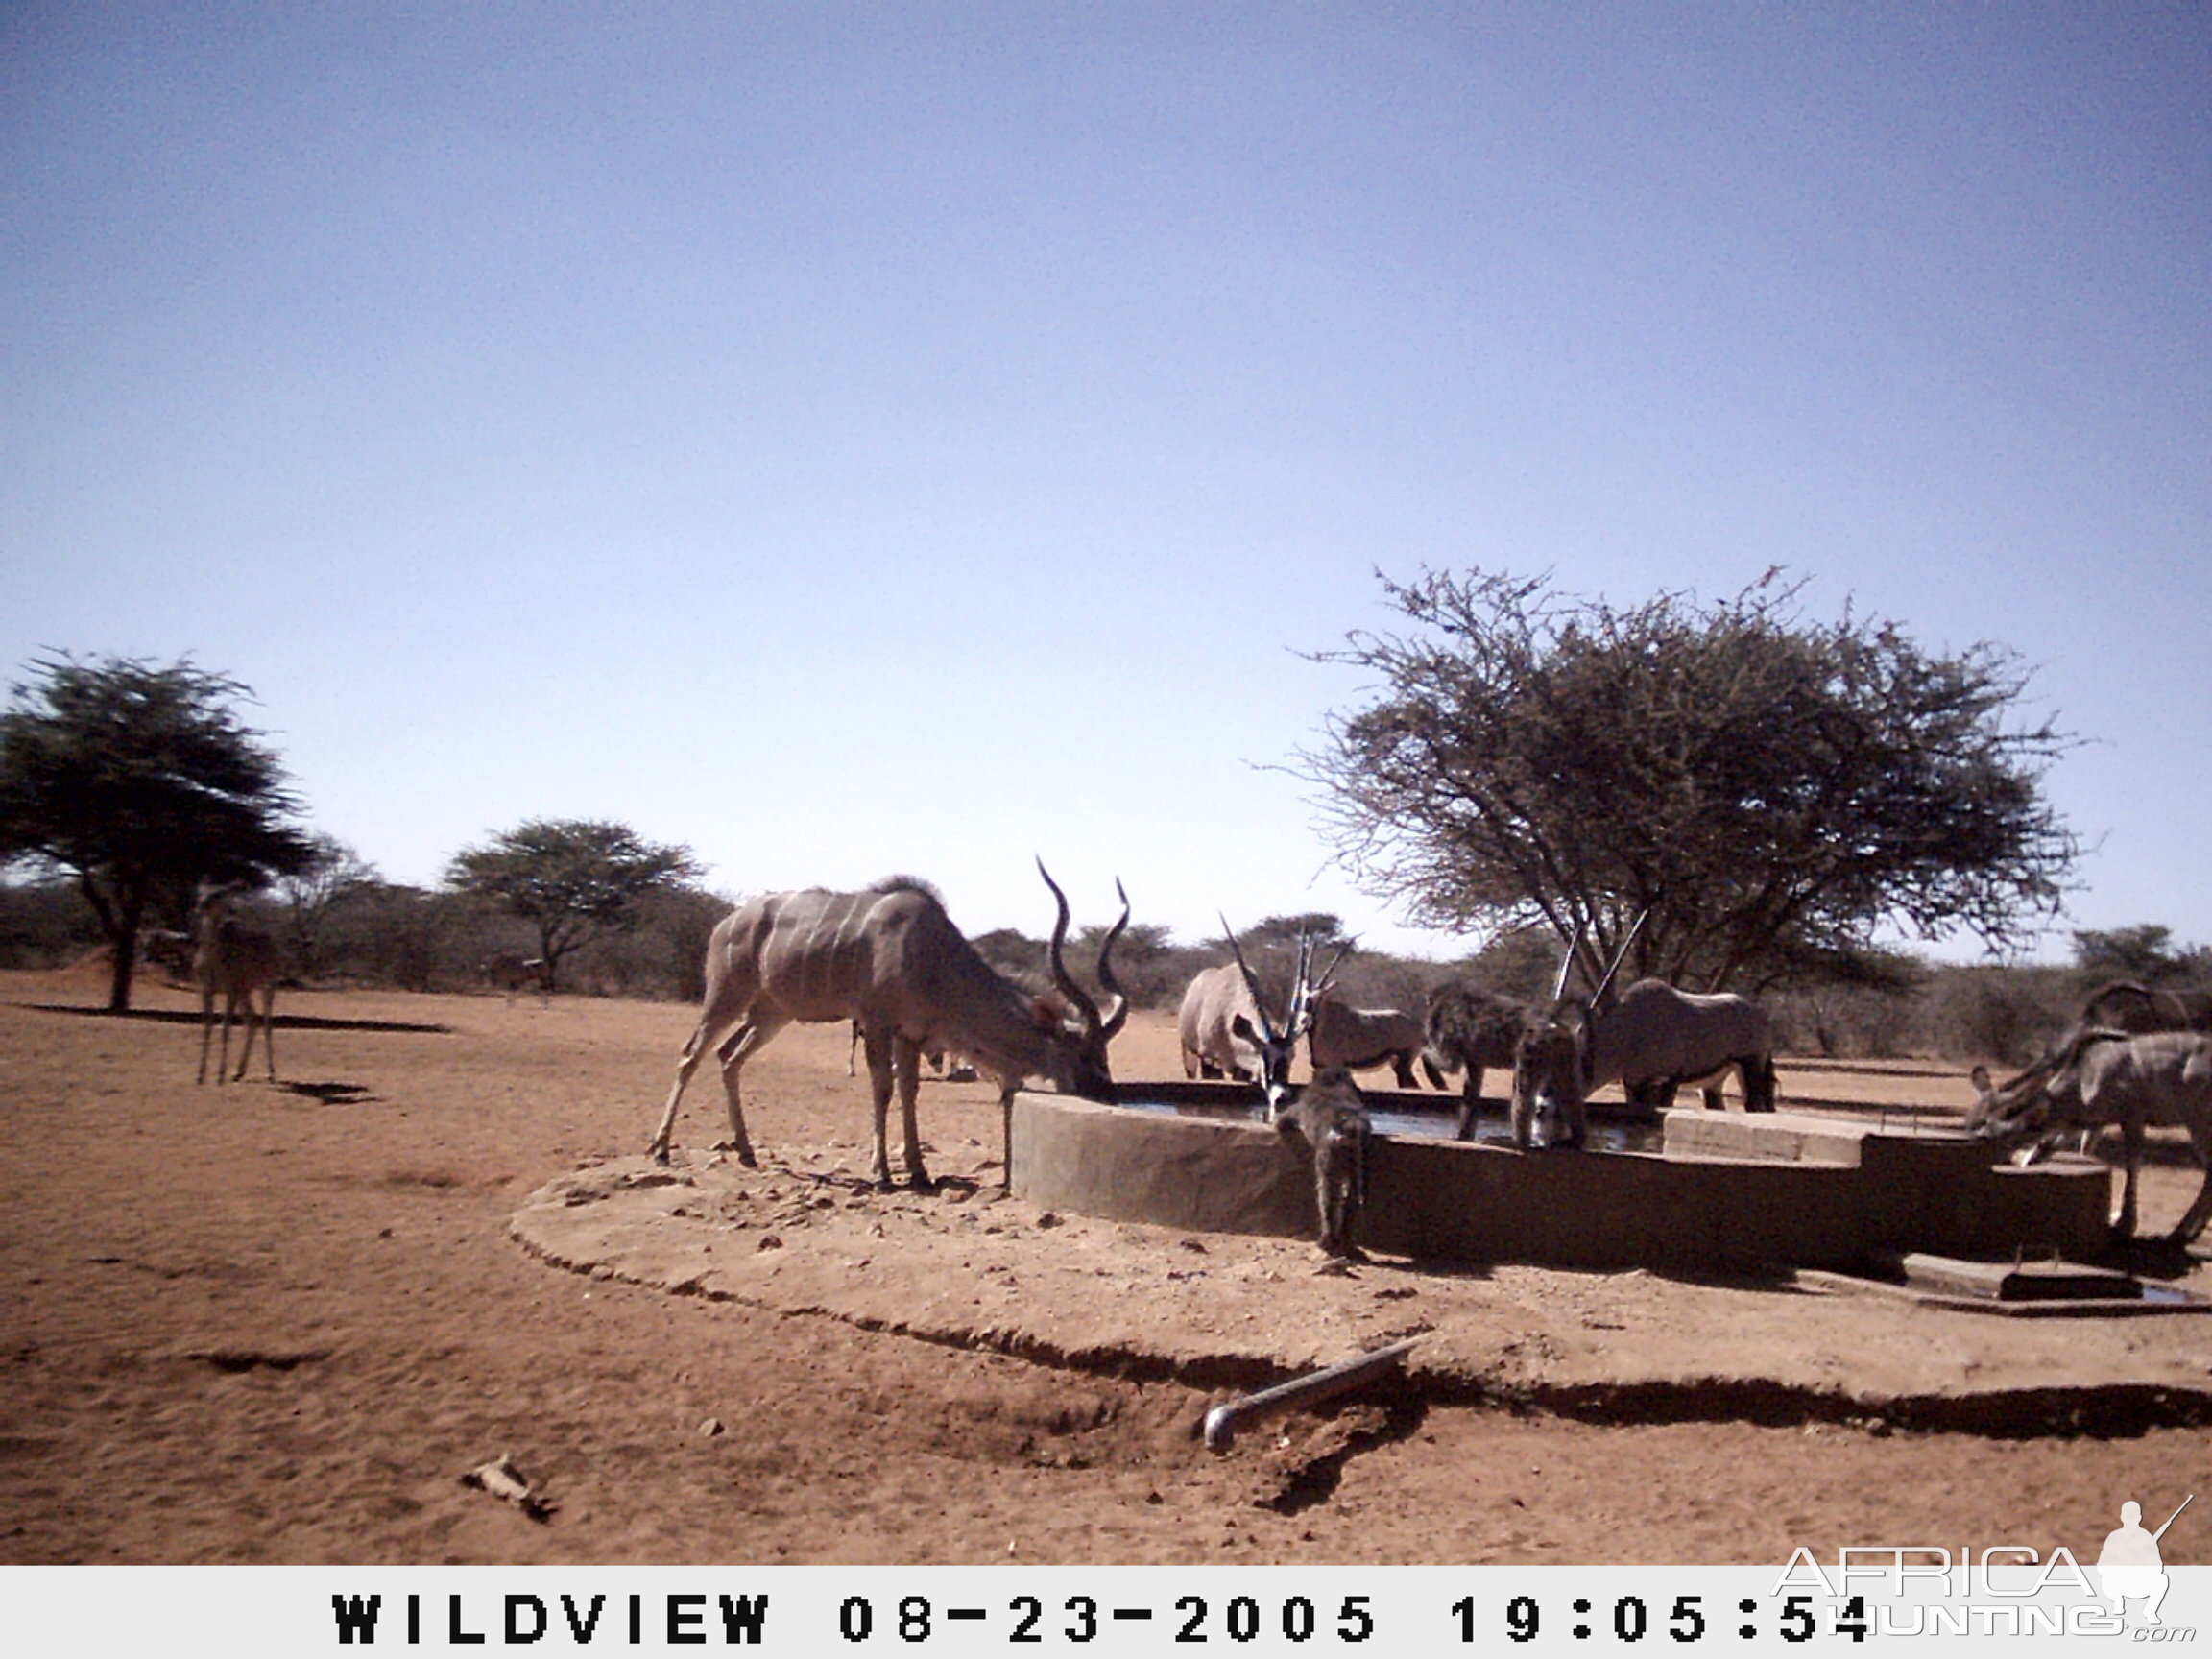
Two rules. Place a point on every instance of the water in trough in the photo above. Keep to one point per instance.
(1398, 1114)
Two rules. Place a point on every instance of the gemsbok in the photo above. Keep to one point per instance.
(1225, 1027)
(232, 957)
(890, 958)
(1649, 1038)
(2160, 1079)
(1361, 1039)
(1653, 1037)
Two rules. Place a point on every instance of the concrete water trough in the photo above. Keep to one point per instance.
(1725, 1192)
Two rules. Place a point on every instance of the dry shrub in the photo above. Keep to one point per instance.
(1843, 1023)
(2002, 1014)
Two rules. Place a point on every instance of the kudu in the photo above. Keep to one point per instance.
(889, 958)
(1331, 1118)
(2125, 1005)
(2143, 1080)
(1360, 1039)
(1225, 1027)
(236, 959)
(2131, 1007)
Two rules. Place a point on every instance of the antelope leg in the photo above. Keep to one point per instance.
(907, 1071)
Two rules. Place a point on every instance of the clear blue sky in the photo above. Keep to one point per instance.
(850, 438)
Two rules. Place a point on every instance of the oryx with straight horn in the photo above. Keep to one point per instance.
(1653, 1037)
(890, 958)
(1649, 1038)
(1225, 1027)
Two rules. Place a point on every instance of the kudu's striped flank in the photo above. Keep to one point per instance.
(889, 958)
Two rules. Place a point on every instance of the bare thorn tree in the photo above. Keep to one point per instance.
(1768, 788)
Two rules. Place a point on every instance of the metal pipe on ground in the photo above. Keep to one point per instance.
(1224, 1420)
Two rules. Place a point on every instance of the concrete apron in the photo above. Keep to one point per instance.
(802, 1236)
(1731, 1192)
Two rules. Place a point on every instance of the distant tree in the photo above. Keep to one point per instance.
(662, 952)
(2144, 953)
(572, 879)
(1321, 926)
(1517, 961)
(1140, 941)
(1144, 960)
(686, 917)
(1768, 789)
(334, 872)
(137, 782)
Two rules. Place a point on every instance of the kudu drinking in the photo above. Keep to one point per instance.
(2130, 1007)
(890, 958)
(2125, 1005)
(2160, 1079)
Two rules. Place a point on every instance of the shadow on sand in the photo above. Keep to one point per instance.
(331, 1094)
(290, 1021)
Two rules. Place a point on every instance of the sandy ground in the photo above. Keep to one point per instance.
(276, 1324)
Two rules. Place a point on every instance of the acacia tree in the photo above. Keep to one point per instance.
(1765, 789)
(1322, 928)
(571, 879)
(137, 782)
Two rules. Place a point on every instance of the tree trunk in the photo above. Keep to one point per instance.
(123, 948)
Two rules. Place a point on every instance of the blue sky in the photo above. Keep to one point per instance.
(847, 439)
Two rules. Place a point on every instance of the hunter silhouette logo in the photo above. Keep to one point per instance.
(2129, 1566)
(2011, 1589)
